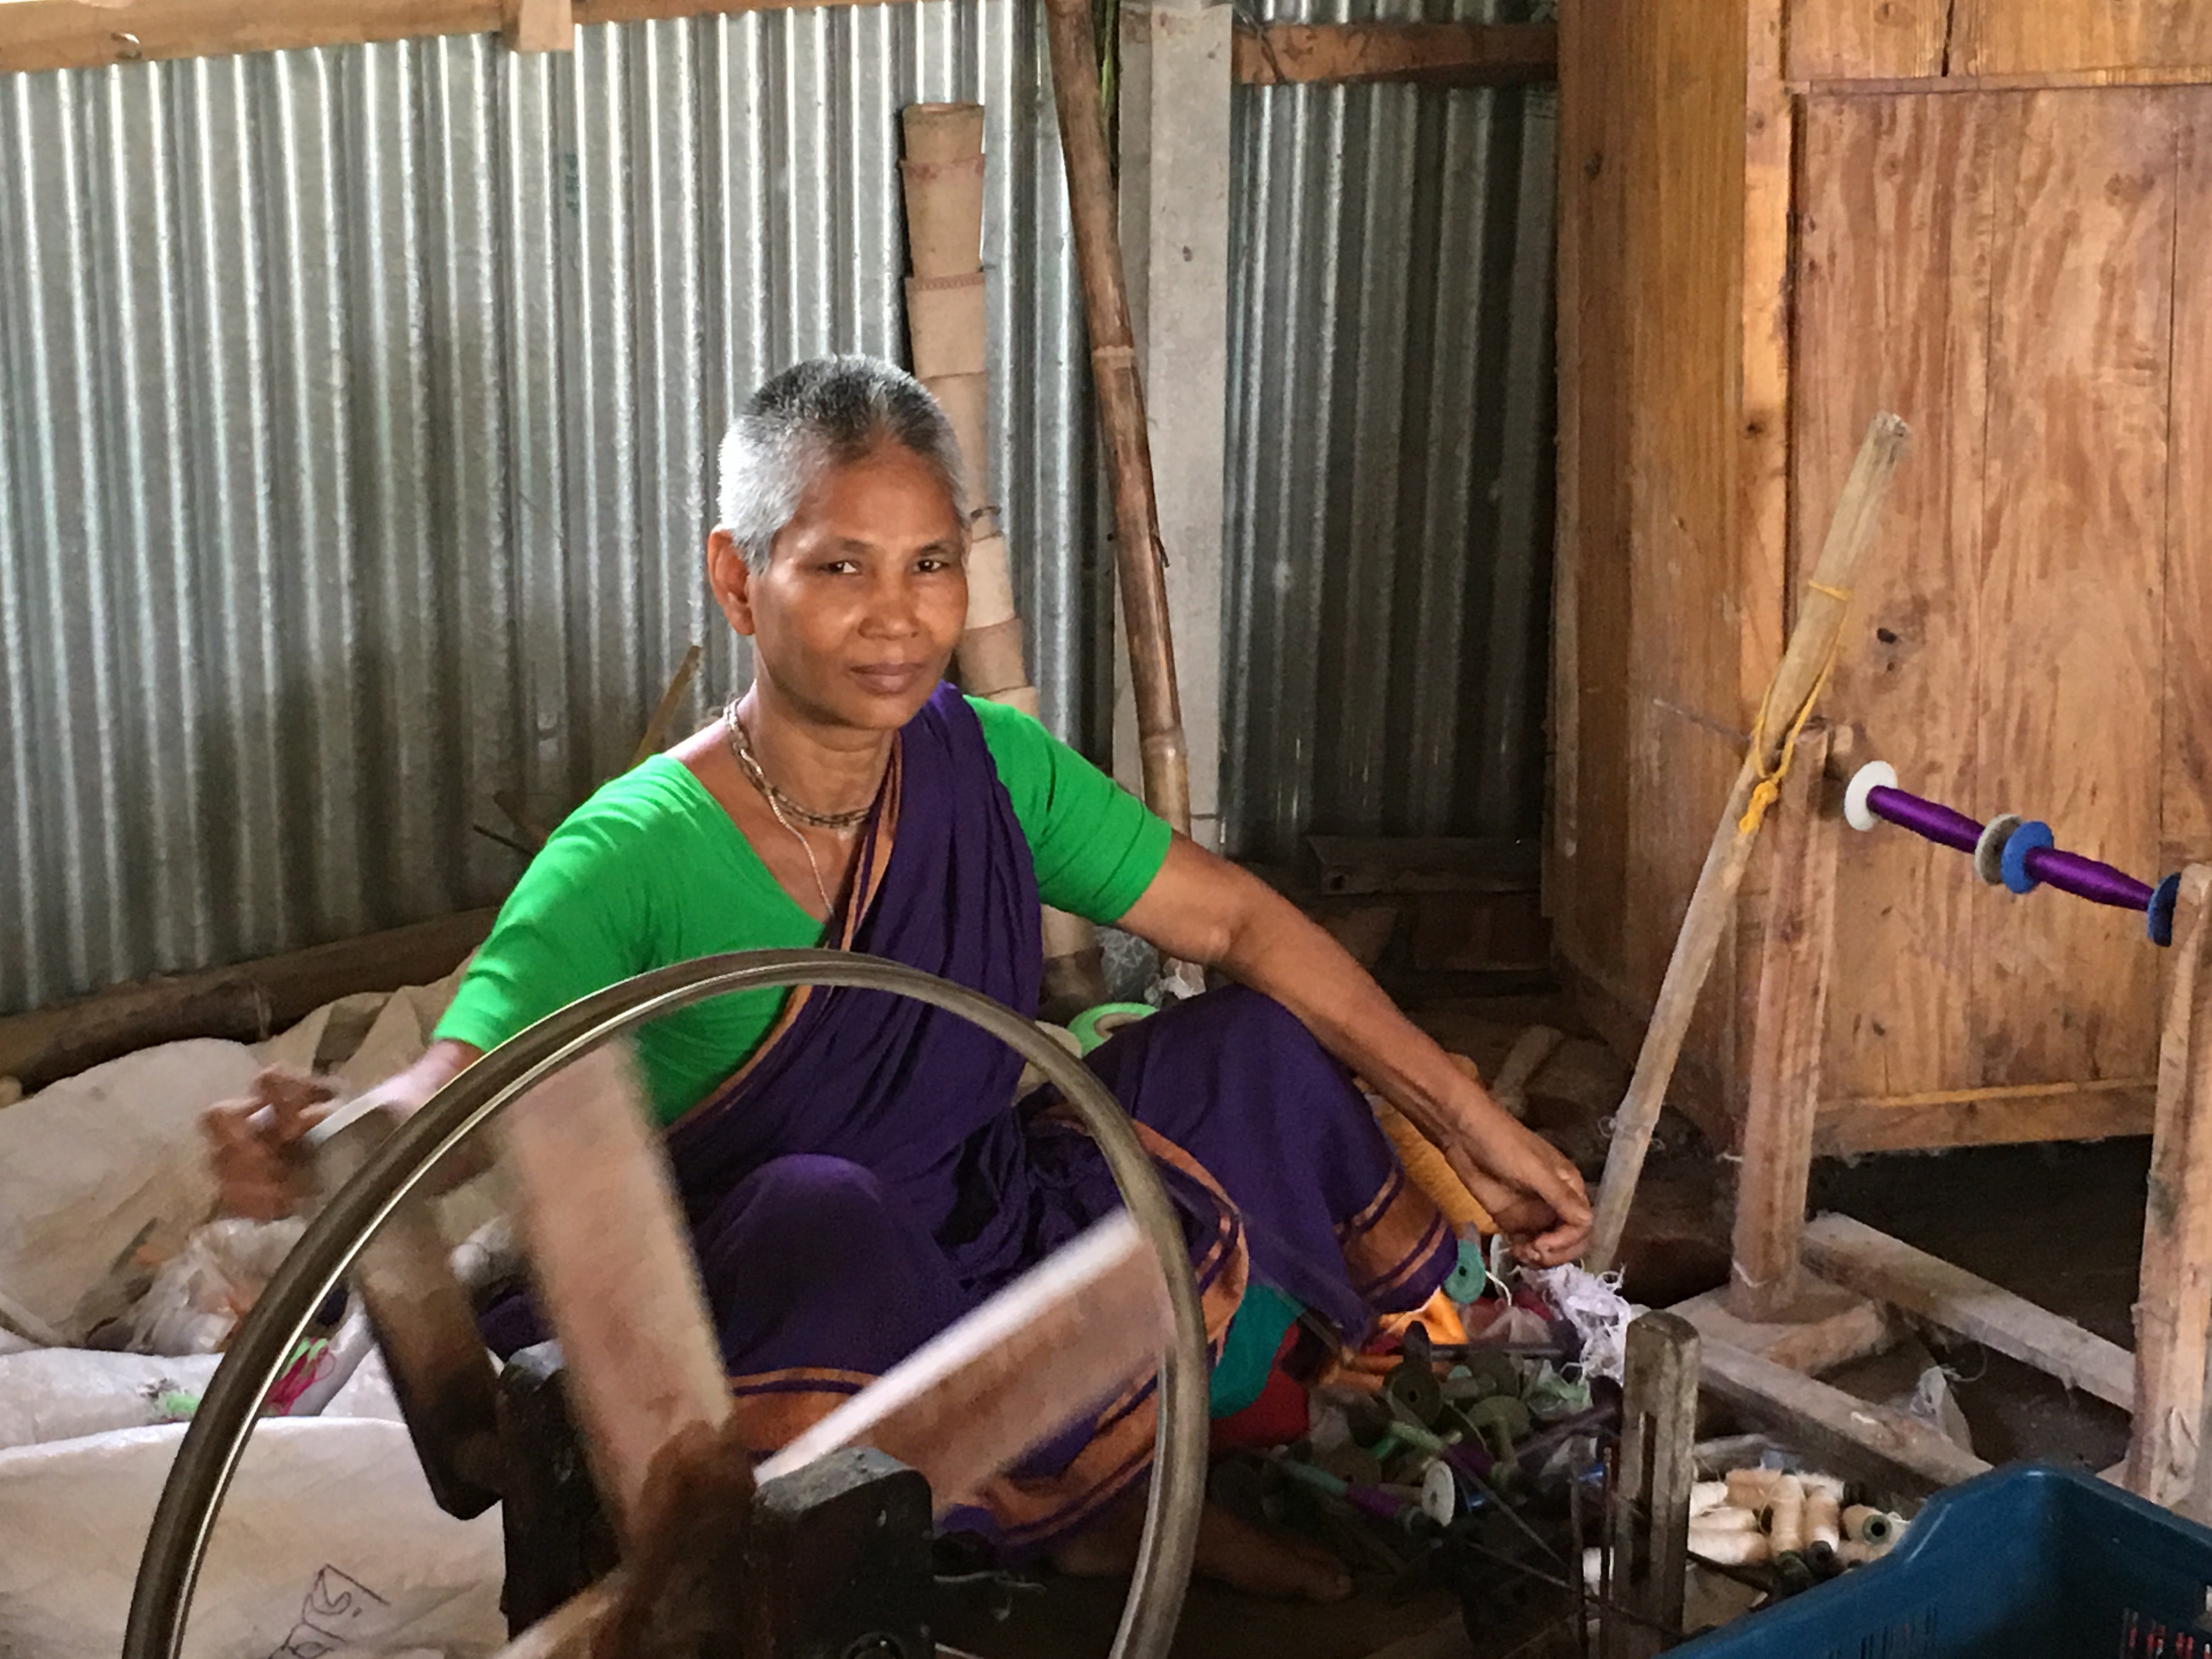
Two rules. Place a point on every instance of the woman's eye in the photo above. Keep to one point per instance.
(930, 566)
(838, 567)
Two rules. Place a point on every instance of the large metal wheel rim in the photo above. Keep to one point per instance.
(208, 1458)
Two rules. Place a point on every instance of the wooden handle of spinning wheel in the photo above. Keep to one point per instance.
(1064, 1338)
(617, 1279)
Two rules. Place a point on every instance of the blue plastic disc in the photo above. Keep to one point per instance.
(2023, 841)
(2162, 901)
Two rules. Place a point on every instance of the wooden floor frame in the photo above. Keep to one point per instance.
(1806, 1297)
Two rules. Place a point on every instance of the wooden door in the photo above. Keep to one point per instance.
(2019, 275)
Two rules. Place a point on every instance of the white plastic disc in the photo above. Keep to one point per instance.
(1440, 1494)
(1874, 775)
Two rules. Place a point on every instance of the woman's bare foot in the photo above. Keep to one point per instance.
(1258, 1560)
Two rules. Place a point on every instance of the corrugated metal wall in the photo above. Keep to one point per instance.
(357, 412)
(1391, 451)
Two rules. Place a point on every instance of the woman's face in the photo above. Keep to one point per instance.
(864, 595)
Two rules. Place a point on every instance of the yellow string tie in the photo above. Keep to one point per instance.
(1768, 788)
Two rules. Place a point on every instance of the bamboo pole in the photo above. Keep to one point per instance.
(1796, 682)
(1139, 560)
(945, 153)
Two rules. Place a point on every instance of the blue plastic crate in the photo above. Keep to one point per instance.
(2025, 1563)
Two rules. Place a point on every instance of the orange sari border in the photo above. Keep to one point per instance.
(770, 1409)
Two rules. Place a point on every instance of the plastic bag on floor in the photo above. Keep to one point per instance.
(200, 1294)
(105, 1163)
(1597, 1310)
(329, 1544)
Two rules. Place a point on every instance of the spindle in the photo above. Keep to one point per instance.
(2021, 854)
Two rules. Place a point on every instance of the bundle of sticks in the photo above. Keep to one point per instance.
(947, 336)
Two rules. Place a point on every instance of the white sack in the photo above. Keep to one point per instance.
(88, 1162)
(65, 1394)
(329, 1544)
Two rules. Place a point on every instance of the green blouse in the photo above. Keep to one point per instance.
(652, 871)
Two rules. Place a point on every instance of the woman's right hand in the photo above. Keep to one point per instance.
(260, 1171)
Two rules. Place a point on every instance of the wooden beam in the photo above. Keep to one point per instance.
(245, 1002)
(2040, 81)
(2174, 1301)
(550, 26)
(1832, 1427)
(49, 34)
(1446, 54)
(1782, 1092)
(1340, 865)
(44, 34)
(1658, 1464)
(1855, 1255)
(1826, 1327)
(1987, 1117)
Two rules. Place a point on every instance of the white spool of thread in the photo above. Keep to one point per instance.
(1729, 1549)
(1874, 775)
(1785, 1522)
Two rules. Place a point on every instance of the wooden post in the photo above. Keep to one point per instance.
(1140, 564)
(539, 25)
(1650, 1529)
(1788, 1029)
(616, 1275)
(440, 1371)
(2173, 1309)
(1813, 645)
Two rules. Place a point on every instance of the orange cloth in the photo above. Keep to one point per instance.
(1432, 1172)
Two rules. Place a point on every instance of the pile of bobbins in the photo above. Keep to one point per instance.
(2019, 855)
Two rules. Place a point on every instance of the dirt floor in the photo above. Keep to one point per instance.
(2061, 1225)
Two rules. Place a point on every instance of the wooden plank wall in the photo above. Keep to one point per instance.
(1979, 213)
(1877, 40)
(2185, 803)
(1999, 267)
(1653, 142)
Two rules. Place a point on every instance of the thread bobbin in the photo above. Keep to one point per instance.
(1874, 775)
(2160, 914)
(1989, 852)
(2032, 836)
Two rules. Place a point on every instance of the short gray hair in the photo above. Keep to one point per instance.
(827, 410)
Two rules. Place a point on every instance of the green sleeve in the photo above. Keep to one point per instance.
(1096, 846)
(577, 922)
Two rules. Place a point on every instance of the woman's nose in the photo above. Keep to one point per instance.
(892, 610)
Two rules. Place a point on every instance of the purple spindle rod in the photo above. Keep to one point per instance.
(2101, 883)
(1938, 823)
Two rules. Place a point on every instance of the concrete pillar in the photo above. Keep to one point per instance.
(1174, 92)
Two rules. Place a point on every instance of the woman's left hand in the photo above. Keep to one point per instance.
(1531, 1188)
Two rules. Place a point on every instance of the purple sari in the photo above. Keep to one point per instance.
(867, 1176)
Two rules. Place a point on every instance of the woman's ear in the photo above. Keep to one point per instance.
(731, 578)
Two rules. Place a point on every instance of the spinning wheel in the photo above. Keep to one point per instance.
(959, 1374)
